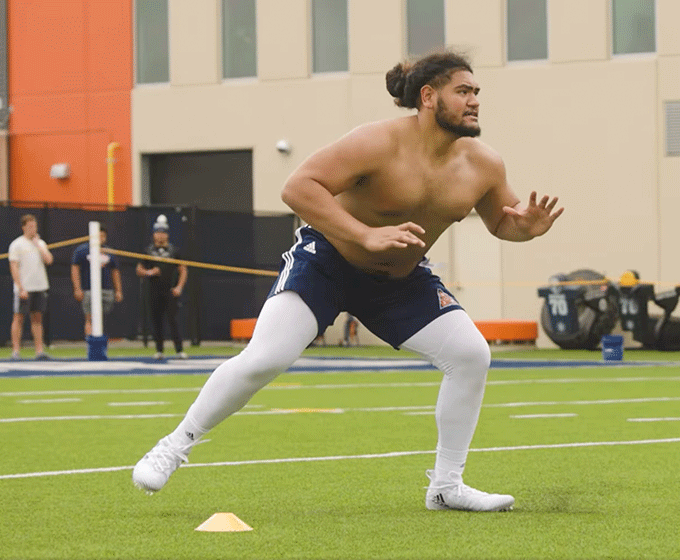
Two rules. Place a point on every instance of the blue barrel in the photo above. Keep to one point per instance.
(96, 348)
(612, 347)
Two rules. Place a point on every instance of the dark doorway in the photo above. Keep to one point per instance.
(208, 180)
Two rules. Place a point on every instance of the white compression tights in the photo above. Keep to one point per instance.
(454, 345)
(286, 326)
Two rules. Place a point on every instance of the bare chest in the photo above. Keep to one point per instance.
(408, 192)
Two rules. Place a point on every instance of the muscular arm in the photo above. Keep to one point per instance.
(502, 212)
(310, 191)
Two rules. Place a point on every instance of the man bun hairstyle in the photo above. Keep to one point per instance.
(405, 80)
(396, 82)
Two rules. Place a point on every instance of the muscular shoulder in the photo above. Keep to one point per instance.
(361, 152)
(479, 152)
(376, 138)
(484, 157)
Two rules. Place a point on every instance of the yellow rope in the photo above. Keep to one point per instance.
(455, 285)
(602, 282)
(68, 242)
(58, 244)
(225, 268)
(193, 263)
(532, 284)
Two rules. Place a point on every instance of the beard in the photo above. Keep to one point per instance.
(444, 120)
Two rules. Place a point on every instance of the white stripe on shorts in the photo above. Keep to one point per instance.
(288, 257)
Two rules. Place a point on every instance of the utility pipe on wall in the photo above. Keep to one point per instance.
(109, 171)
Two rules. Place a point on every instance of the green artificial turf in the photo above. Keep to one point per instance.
(592, 500)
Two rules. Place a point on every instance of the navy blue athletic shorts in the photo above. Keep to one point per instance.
(392, 309)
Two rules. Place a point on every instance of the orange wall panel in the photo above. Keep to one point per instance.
(84, 152)
(70, 78)
(109, 58)
(110, 108)
(31, 158)
(47, 47)
(54, 113)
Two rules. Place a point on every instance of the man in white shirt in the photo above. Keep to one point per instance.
(28, 255)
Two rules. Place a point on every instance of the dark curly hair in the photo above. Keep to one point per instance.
(405, 79)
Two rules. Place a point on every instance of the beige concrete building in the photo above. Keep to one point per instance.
(582, 122)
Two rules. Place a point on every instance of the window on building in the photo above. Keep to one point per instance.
(329, 30)
(424, 26)
(239, 39)
(527, 27)
(633, 26)
(153, 59)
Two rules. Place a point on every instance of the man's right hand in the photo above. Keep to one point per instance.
(23, 294)
(78, 294)
(393, 237)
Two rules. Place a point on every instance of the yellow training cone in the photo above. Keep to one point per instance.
(223, 522)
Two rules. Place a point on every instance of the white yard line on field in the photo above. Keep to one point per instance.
(46, 401)
(667, 419)
(283, 386)
(91, 417)
(410, 410)
(101, 392)
(599, 401)
(347, 457)
(530, 416)
(580, 380)
(139, 403)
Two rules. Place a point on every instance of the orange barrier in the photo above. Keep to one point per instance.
(508, 330)
(242, 329)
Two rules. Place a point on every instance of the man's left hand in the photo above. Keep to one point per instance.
(536, 218)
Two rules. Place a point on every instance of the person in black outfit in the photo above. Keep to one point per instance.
(166, 282)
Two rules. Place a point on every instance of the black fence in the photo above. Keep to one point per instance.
(211, 297)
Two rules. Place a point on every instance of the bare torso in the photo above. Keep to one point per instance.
(408, 187)
(384, 193)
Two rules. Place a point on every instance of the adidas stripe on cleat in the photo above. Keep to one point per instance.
(450, 494)
(154, 469)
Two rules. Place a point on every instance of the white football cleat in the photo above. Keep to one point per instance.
(154, 469)
(452, 494)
